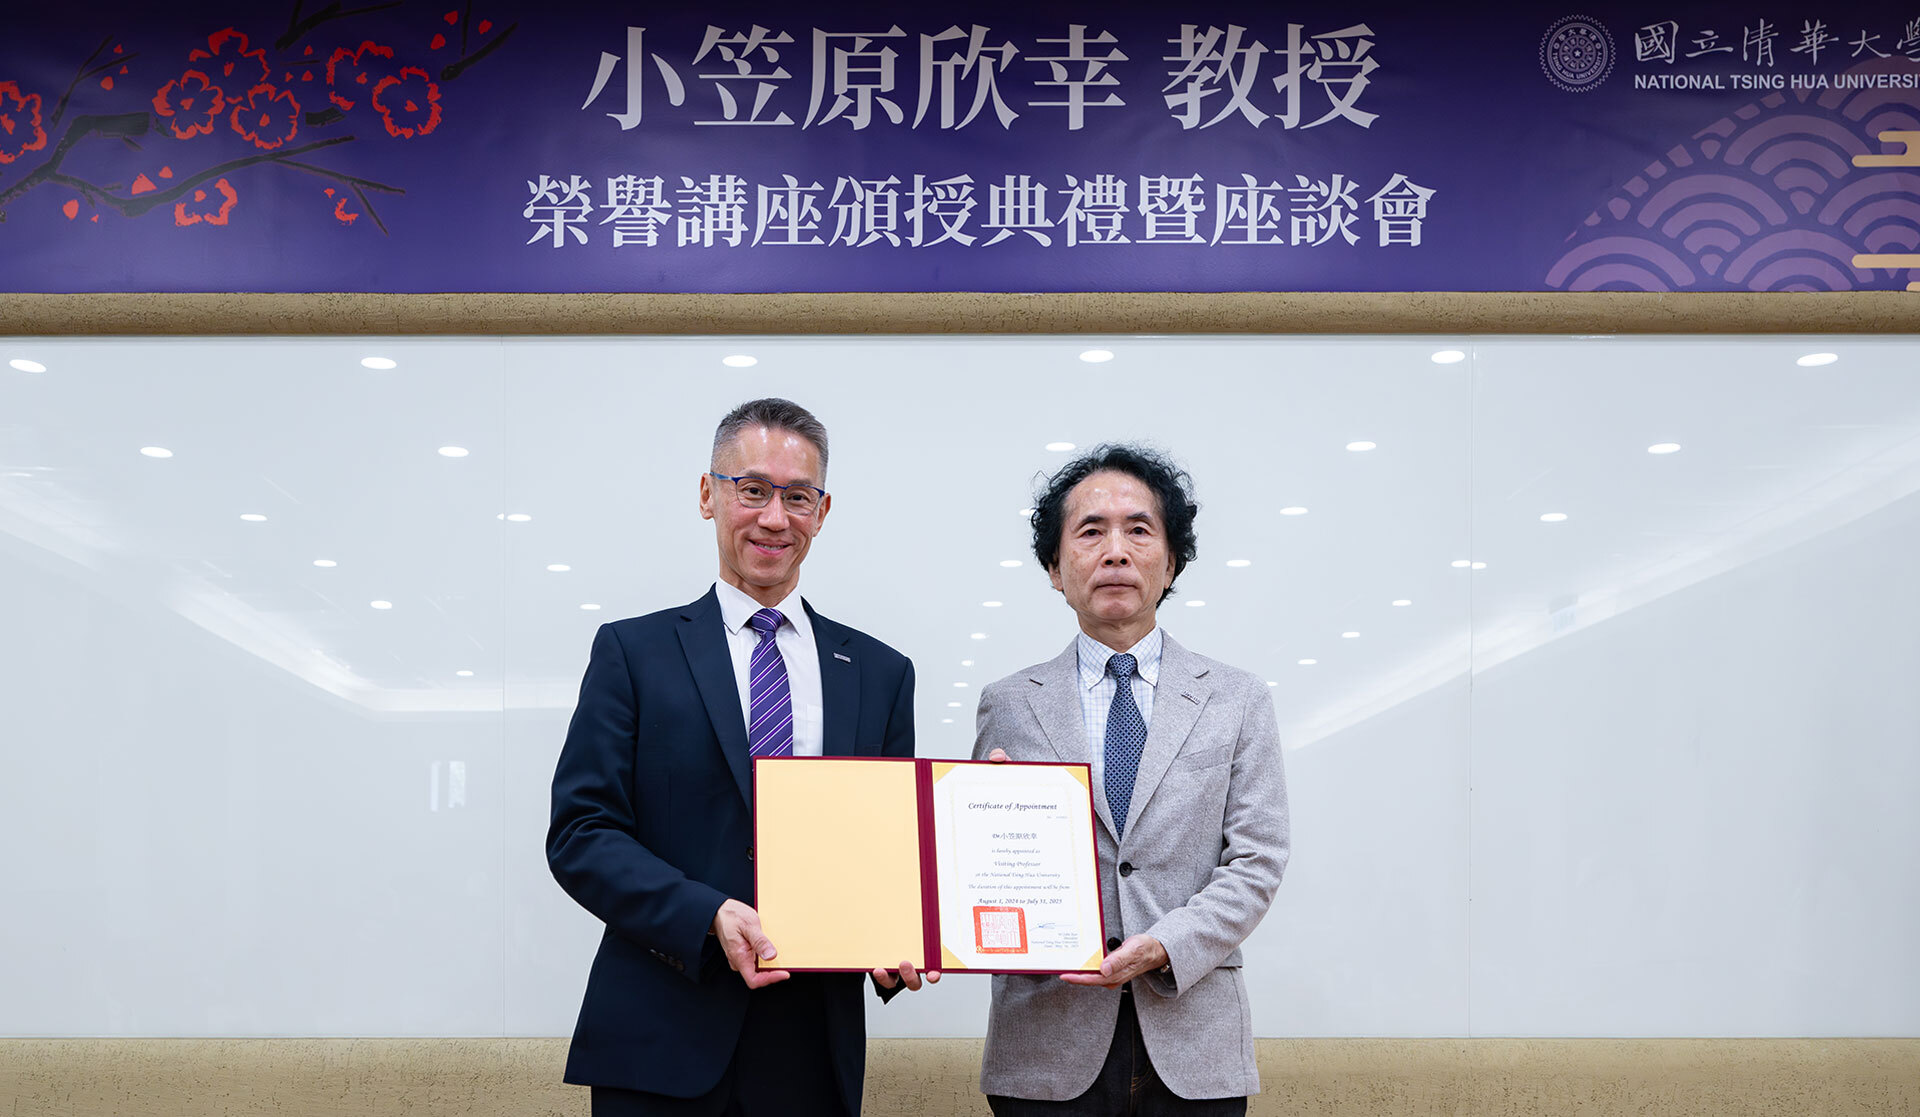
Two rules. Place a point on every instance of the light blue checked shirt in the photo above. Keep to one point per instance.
(1096, 691)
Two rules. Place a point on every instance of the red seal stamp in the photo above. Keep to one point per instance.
(999, 930)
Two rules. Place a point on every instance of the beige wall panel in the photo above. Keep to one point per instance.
(933, 1078)
(1867, 312)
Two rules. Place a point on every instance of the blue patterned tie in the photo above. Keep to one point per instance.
(1126, 737)
(770, 727)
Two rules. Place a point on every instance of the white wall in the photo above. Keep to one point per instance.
(1648, 771)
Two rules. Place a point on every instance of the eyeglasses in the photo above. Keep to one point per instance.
(754, 492)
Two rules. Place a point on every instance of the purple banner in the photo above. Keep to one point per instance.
(599, 147)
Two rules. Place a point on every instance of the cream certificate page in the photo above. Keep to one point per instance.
(1018, 885)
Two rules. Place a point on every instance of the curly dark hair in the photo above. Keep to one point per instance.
(1170, 484)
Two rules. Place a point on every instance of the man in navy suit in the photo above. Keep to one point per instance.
(685, 1013)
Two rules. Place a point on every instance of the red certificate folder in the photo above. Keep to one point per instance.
(954, 865)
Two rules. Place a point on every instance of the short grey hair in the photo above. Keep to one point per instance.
(777, 414)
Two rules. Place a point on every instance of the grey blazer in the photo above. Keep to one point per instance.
(1206, 846)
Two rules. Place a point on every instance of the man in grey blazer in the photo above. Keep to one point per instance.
(1192, 799)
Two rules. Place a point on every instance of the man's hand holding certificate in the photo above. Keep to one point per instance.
(950, 865)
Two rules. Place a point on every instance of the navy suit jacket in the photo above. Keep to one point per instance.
(653, 828)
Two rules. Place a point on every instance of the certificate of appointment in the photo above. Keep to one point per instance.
(960, 866)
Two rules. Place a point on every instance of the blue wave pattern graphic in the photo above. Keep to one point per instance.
(1764, 199)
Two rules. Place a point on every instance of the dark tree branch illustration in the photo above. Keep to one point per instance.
(454, 69)
(297, 28)
(83, 73)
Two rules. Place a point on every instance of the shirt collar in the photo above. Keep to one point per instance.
(1094, 655)
(736, 608)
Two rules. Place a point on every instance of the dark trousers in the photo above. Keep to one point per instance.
(782, 1066)
(1128, 1086)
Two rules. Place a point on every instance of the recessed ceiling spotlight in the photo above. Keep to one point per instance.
(1026, 513)
(1553, 517)
(464, 674)
(990, 604)
(739, 360)
(1811, 360)
(1293, 510)
(156, 451)
(1449, 357)
(1479, 566)
(1010, 563)
(1663, 448)
(1271, 682)
(1307, 662)
(1059, 447)
(380, 363)
(325, 564)
(381, 604)
(946, 721)
(1196, 604)
(1461, 564)
(953, 705)
(25, 365)
(978, 635)
(590, 607)
(1361, 447)
(253, 517)
(1402, 603)
(1237, 563)
(1097, 356)
(558, 568)
(517, 517)
(959, 684)
(453, 451)
(1349, 635)
(966, 663)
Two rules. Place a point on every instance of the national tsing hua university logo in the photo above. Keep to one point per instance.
(1577, 53)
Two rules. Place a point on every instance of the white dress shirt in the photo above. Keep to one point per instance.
(794, 638)
(1096, 691)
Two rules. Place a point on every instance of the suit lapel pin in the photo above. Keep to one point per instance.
(843, 658)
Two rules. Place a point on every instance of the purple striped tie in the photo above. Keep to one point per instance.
(770, 725)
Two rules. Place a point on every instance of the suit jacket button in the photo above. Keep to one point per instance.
(749, 853)
(1113, 944)
(1126, 868)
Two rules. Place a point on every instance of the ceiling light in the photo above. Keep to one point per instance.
(1461, 564)
(1308, 662)
(1811, 360)
(381, 363)
(1479, 566)
(1097, 356)
(1270, 682)
(1663, 448)
(453, 451)
(156, 451)
(1449, 357)
(253, 517)
(25, 365)
(590, 607)
(381, 604)
(959, 684)
(946, 721)
(1059, 447)
(464, 674)
(1195, 604)
(1403, 602)
(558, 568)
(1553, 517)
(1237, 563)
(978, 635)
(990, 604)
(953, 705)
(1349, 635)
(966, 663)
(1293, 510)
(739, 360)
(516, 517)
(1361, 447)
(1026, 513)
(1009, 563)
(325, 564)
